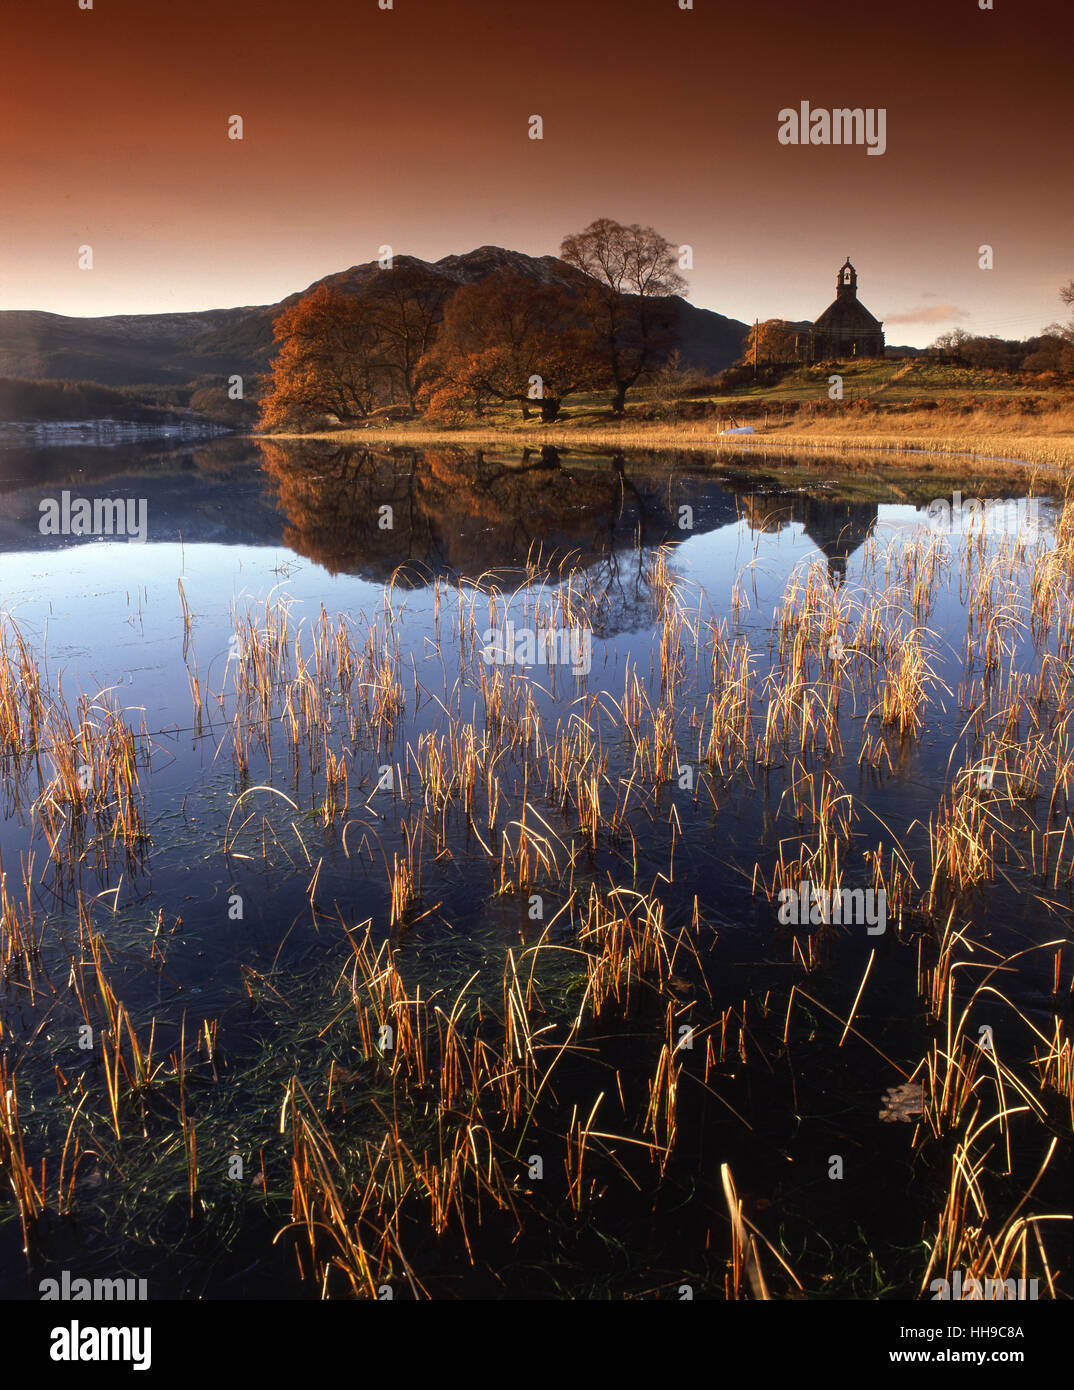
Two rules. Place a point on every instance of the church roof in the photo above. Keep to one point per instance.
(846, 313)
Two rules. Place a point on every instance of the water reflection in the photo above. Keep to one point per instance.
(375, 513)
(837, 528)
(367, 513)
(158, 627)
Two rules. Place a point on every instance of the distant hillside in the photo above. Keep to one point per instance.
(121, 350)
(176, 349)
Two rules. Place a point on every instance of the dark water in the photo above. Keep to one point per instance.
(239, 526)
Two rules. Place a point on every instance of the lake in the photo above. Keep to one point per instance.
(423, 870)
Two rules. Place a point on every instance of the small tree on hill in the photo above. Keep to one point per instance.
(774, 340)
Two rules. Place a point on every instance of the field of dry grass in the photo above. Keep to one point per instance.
(1048, 441)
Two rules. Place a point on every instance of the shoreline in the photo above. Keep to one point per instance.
(1049, 450)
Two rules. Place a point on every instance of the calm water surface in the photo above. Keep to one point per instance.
(232, 527)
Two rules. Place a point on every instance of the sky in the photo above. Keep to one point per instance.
(410, 127)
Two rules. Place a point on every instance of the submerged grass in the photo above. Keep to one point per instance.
(534, 1118)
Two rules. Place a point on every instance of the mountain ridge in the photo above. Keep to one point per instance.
(175, 349)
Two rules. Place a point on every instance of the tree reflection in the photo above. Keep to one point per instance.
(492, 517)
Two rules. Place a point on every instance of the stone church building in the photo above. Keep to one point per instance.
(846, 328)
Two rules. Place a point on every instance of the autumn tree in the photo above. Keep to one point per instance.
(993, 353)
(330, 360)
(508, 338)
(774, 340)
(1052, 351)
(629, 273)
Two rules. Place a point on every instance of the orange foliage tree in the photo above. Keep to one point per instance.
(329, 361)
(506, 338)
(775, 340)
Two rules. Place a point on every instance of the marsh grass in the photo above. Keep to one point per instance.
(409, 1119)
(1045, 440)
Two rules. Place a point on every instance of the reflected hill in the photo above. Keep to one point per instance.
(197, 492)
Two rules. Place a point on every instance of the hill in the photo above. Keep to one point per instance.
(120, 350)
(176, 349)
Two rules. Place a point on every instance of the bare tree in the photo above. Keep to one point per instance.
(630, 273)
(952, 342)
(405, 304)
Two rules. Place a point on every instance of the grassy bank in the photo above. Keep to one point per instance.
(886, 406)
(828, 436)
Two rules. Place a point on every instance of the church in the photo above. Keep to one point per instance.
(846, 328)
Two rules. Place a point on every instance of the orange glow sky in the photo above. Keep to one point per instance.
(409, 127)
